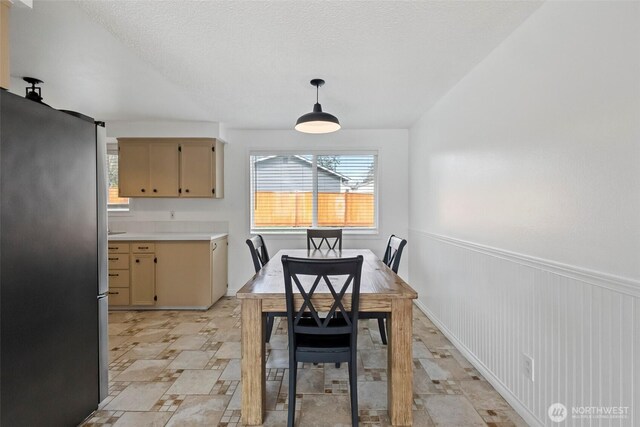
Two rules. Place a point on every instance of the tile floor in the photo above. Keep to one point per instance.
(182, 368)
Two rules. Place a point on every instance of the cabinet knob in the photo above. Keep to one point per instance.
(187, 190)
(113, 293)
(142, 190)
(155, 191)
(138, 260)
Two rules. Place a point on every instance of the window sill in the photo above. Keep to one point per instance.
(285, 233)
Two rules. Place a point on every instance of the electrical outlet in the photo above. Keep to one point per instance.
(528, 367)
(172, 214)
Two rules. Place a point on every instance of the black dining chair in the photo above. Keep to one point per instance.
(392, 256)
(329, 339)
(319, 238)
(260, 257)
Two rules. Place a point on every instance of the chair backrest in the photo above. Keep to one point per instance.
(333, 275)
(259, 252)
(329, 237)
(393, 252)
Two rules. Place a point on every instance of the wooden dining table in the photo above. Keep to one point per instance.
(381, 290)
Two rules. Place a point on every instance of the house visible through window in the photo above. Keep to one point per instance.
(297, 191)
(115, 203)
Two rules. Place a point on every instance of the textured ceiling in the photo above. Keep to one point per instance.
(248, 64)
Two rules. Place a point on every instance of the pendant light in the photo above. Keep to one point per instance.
(317, 121)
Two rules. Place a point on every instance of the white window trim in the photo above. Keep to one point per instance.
(112, 148)
(362, 231)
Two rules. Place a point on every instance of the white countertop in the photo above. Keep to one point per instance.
(164, 236)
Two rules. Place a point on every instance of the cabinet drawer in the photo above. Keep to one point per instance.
(143, 248)
(118, 261)
(118, 248)
(119, 278)
(118, 296)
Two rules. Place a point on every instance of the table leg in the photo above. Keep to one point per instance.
(400, 363)
(253, 362)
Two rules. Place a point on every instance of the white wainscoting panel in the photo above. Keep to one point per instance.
(582, 328)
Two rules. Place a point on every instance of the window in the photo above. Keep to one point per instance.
(296, 191)
(115, 203)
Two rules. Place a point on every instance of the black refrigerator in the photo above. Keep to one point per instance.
(53, 265)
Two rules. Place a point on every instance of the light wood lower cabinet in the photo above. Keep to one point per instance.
(143, 279)
(173, 274)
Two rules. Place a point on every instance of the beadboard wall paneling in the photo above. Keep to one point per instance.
(582, 328)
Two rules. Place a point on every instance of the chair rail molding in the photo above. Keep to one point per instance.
(612, 282)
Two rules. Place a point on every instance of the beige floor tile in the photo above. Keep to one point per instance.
(199, 411)
(194, 382)
(143, 419)
(118, 328)
(227, 335)
(137, 397)
(142, 370)
(189, 342)
(316, 409)
(278, 359)
(150, 335)
(278, 342)
(229, 350)
(145, 350)
(232, 371)
(376, 359)
(191, 359)
(222, 323)
(278, 419)
(422, 419)
(162, 357)
(452, 411)
(420, 351)
(236, 400)
(273, 388)
(117, 340)
(372, 395)
(187, 328)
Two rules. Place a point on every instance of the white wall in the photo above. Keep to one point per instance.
(525, 210)
(392, 146)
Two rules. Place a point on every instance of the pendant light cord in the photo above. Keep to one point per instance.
(317, 89)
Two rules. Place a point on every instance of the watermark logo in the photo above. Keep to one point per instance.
(557, 412)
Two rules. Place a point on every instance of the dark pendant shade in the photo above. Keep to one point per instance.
(317, 121)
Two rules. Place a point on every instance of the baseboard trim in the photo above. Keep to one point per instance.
(504, 391)
(612, 282)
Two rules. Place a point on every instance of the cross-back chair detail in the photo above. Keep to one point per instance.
(321, 238)
(317, 337)
(392, 256)
(393, 252)
(260, 257)
(259, 253)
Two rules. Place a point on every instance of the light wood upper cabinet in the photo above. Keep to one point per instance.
(171, 167)
(164, 167)
(133, 169)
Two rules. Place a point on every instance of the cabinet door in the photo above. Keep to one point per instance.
(143, 279)
(163, 169)
(183, 274)
(218, 269)
(133, 169)
(196, 169)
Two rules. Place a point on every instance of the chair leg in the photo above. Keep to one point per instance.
(293, 373)
(353, 388)
(270, 319)
(383, 333)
